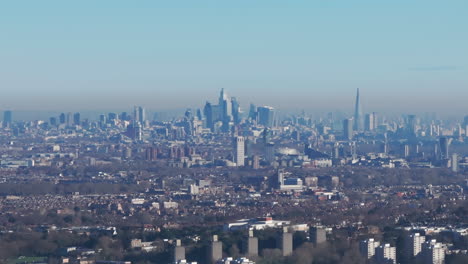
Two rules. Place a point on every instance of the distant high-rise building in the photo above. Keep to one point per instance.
(433, 252)
(412, 125)
(179, 251)
(285, 242)
(454, 162)
(7, 118)
(318, 235)
(266, 115)
(222, 116)
(348, 129)
(235, 111)
(367, 247)
(124, 116)
(270, 152)
(239, 148)
(77, 119)
(444, 144)
(413, 245)
(358, 122)
(139, 115)
(208, 112)
(215, 249)
(251, 245)
(69, 119)
(253, 112)
(53, 121)
(62, 118)
(370, 122)
(112, 117)
(225, 105)
(385, 254)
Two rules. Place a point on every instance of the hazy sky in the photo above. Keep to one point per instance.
(311, 54)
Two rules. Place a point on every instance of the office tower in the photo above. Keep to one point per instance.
(53, 121)
(444, 147)
(370, 122)
(266, 115)
(465, 121)
(124, 116)
(285, 242)
(223, 116)
(225, 104)
(7, 118)
(208, 112)
(367, 247)
(454, 163)
(102, 119)
(253, 112)
(251, 245)
(62, 118)
(239, 148)
(385, 254)
(235, 111)
(199, 115)
(139, 114)
(69, 119)
(77, 119)
(413, 244)
(112, 117)
(179, 251)
(433, 252)
(318, 235)
(358, 122)
(412, 125)
(215, 249)
(270, 152)
(348, 129)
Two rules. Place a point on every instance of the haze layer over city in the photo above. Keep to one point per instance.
(229, 132)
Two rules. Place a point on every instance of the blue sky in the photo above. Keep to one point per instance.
(72, 55)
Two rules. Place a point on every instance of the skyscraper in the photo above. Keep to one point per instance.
(239, 147)
(348, 129)
(77, 119)
(226, 113)
(444, 144)
(358, 122)
(62, 118)
(7, 118)
(367, 247)
(139, 115)
(266, 115)
(235, 111)
(370, 122)
(385, 254)
(225, 105)
(253, 112)
(69, 119)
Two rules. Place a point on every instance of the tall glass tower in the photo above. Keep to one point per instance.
(358, 120)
